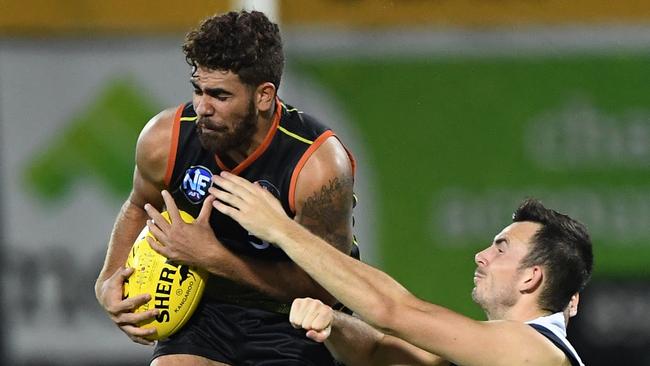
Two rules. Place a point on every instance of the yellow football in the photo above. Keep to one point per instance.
(175, 289)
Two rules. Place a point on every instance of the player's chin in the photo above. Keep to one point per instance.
(475, 295)
(215, 143)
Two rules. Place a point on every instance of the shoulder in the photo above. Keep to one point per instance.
(303, 124)
(457, 337)
(324, 194)
(328, 165)
(559, 340)
(531, 345)
(152, 149)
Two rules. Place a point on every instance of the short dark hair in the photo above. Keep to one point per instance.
(246, 43)
(563, 246)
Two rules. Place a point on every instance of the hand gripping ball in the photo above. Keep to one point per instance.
(175, 288)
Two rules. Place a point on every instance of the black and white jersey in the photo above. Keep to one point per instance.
(553, 327)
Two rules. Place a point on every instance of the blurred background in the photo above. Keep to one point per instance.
(455, 109)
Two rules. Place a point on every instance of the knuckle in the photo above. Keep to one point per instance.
(112, 309)
(122, 321)
(141, 317)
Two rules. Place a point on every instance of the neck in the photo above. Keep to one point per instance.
(522, 311)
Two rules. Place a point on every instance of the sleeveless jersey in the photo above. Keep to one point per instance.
(553, 327)
(275, 165)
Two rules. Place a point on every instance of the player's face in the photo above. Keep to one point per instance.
(497, 273)
(227, 116)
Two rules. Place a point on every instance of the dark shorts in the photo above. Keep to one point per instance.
(242, 336)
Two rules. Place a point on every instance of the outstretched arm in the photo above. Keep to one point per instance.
(354, 342)
(379, 299)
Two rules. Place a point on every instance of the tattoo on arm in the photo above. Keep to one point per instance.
(328, 213)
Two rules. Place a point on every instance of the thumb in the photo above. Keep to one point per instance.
(122, 273)
(319, 335)
(118, 277)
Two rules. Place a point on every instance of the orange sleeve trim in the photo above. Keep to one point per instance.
(173, 145)
(353, 161)
(301, 163)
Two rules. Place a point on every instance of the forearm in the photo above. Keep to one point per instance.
(128, 224)
(377, 298)
(354, 342)
(280, 280)
(371, 294)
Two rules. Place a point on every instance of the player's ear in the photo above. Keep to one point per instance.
(573, 305)
(532, 277)
(265, 96)
(571, 309)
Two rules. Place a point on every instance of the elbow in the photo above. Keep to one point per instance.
(384, 314)
(387, 313)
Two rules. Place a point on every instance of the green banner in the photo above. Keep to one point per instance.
(98, 144)
(457, 143)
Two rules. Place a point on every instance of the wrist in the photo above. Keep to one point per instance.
(215, 260)
(281, 232)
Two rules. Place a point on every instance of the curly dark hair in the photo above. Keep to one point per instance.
(563, 246)
(246, 43)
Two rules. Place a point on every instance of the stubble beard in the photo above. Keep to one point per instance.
(220, 141)
(496, 304)
(477, 298)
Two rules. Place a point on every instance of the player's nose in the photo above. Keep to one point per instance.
(202, 106)
(480, 258)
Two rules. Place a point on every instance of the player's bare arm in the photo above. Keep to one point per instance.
(354, 342)
(151, 160)
(324, 195)
(385, 304)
